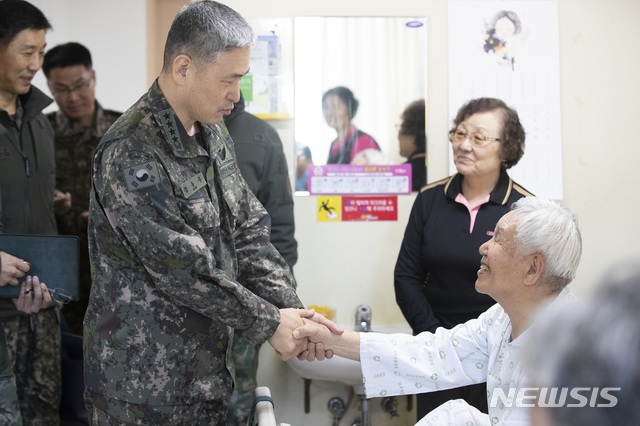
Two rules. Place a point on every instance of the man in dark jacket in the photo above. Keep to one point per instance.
(264, 166)
(27, 180)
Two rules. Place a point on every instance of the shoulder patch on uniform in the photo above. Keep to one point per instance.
(142, 176)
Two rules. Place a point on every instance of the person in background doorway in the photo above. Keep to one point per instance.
(263, 166)
(27, 182)
(339, 106)
(589, 353)
(179, 245)
(412, 138)
(79, 124)
(438, 260)
(526, 267)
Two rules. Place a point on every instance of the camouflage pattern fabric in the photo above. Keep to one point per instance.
(9, 406)
(111, 412)
(33, 342)
(180, 257)
(74, 148)
(245, 358)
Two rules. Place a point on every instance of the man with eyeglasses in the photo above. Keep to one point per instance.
(27, 182)
(79, 125)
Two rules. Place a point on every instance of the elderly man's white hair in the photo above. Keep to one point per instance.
(545, 227)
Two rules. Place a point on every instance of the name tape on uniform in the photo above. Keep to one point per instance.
(193, 185)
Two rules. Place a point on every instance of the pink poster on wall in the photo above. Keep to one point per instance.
(346, 179)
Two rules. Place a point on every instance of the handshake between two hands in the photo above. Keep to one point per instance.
(305, 334)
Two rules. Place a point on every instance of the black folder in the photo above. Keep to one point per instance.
(53, 259)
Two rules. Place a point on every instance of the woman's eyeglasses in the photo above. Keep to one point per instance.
(476, 138)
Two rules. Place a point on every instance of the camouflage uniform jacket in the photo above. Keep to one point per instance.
(180, 257)
(75, 145)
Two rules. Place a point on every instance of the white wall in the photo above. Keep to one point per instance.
(115, 33)
(345, 264)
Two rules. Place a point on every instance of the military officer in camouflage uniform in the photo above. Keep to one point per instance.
(79, 124)
(179, 246)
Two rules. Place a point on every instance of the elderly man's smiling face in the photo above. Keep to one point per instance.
(500, 269)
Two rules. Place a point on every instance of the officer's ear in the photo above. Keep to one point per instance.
(182, 65)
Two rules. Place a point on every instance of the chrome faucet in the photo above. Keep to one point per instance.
(363, 318)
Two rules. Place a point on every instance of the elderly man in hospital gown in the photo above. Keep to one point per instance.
(526, 266)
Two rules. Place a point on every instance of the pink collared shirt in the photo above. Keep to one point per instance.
(473, 210)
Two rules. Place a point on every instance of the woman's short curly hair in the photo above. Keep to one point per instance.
(513, 134)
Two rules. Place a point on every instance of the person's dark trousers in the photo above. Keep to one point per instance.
(72, 409)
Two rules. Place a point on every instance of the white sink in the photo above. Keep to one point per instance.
(338, 369)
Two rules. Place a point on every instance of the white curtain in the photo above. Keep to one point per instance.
(382, 60)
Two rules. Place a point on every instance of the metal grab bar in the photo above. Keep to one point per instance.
(264, 409)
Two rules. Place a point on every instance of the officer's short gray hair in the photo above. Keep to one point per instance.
(204, 28)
